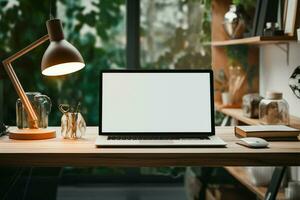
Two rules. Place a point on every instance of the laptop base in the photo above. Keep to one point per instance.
(213, 141)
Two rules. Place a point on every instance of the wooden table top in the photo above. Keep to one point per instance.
(82, 152)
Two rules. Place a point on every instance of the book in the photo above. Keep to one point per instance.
(267, 131)
(268, 13)
(291, 17)
(256, 16)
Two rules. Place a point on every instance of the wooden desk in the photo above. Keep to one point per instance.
(62, 152)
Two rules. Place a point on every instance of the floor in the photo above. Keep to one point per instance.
(122, 192)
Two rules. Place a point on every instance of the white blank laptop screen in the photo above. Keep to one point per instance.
(156, 102)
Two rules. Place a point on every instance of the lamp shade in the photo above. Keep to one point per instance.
(61, 57)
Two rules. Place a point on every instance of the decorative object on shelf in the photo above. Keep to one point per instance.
(272, 29)
(221, 81)
(73, 125)
(294, 82)
(234, 24)
(226, 99)
(236, 80)
(292, 191)
(251, 105)
(268, 12)
(243, 72)
(60, 58)
(274, 109)
(298, 34)
(256, 17)
(41, 105)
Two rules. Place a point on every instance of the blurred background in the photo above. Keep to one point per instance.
(174, 34)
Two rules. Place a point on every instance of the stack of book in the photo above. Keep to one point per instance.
(268, 132)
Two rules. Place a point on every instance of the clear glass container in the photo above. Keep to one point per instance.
(41, 105)
(250, 105)
(73, 125)
(274, 109)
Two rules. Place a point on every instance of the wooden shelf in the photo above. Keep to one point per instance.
(255, 40)
(242, 176)
(237, 114)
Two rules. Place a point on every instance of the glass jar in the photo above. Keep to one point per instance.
(250, 105)
(41, 105)
(274, 109)
(73, 125)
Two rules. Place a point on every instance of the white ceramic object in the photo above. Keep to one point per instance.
(298, 34)
(226, 98)
(260, 176)
(295, 173)
(292, 191)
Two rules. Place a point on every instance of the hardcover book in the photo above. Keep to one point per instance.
(266, 131)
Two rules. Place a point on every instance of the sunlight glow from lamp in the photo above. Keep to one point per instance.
(63, 69)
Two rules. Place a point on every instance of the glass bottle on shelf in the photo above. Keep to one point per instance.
(274, 109)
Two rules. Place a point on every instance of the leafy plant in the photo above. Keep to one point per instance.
(247, 4)
(238, 56)
(221, 80)
(100, 47)
(176, 42)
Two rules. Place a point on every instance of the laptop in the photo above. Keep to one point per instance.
(157, 108)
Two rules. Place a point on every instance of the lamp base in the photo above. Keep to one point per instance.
(31, 134)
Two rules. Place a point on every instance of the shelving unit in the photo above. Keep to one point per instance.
(237, 113)
(241, 175)
(220, 61)
(255, 41)
(239, 172)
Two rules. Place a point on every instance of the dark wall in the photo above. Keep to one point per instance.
(1, 104)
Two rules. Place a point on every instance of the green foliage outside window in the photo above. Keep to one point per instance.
(95, 28)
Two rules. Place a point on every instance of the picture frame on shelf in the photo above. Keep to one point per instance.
(290, 19)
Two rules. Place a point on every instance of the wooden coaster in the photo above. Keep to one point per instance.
(31, 134)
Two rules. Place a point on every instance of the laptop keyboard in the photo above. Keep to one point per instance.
(139, 137)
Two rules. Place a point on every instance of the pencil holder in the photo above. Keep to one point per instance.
(73, 125)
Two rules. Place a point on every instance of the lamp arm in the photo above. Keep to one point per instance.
(33, 120)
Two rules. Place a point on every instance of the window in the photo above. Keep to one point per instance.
(160, 34)
(175, 34)
(95, 27)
